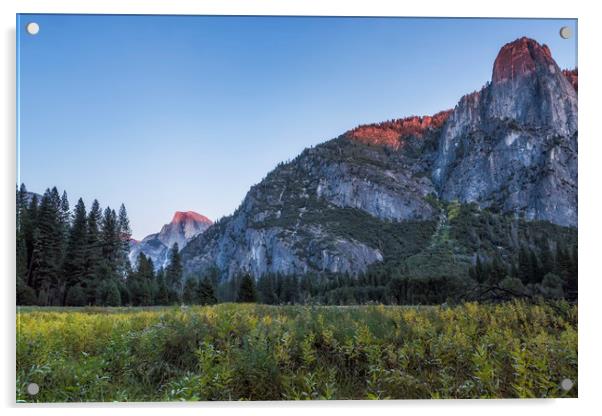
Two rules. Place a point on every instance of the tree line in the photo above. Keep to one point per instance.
(69, 256)
(550, 275)
(77, 257)
(165, 286)
(539, 270)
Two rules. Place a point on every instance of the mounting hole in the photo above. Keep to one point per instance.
(32, 28)
(33, 389)
(566, 384)
(565, 32)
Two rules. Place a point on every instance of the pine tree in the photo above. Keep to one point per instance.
(105, 276)
(148, 276)
(246, 290)
(162, 292)
(65, 207)
(567, 267)
(74, 267)
(574, 269)
(472, 273)
(174, 271)
(125, 235)
(21, 200)
(397, 289)
(547, 259)
(65, 215)
(107, 271)
(535, 276)
(140, 282)
(124, 291)
(21, 245)
(497, 271)
(289, 289)
(480, 272)
(21, 258)
(107, 293)
(75, 296)
(213, 275)
(25, 294)
(525, 268)
(113, 297)
(64, 219)
(28, 224)
(110, 239)
(206, 294)
(34, 261)
(562, 261)
(49, 249)
(266, 288)
(93, 251)
(514, 270)
(190, 295)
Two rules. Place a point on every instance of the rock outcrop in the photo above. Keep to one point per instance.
(513, 144)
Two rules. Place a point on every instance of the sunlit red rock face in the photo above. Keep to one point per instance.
(183, 226)
(181, 216)
(519, 58)
(572, 75)
(393, 133)
(516, 59)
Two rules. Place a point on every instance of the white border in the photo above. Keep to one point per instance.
(589, 191)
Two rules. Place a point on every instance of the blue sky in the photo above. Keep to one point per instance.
(167, 113)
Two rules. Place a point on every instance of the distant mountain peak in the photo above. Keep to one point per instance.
(184, 226)
(520, 57)
(183, 216)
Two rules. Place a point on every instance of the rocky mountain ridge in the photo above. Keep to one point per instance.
(393, 133)
(339, 207)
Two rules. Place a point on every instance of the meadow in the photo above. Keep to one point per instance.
(260, 352)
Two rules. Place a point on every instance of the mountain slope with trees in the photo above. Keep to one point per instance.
(423, 199)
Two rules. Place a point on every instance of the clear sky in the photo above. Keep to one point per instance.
(167, 113)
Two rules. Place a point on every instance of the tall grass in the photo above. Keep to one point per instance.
(258, 352)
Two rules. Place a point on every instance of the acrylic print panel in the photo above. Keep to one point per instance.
(286, 208)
